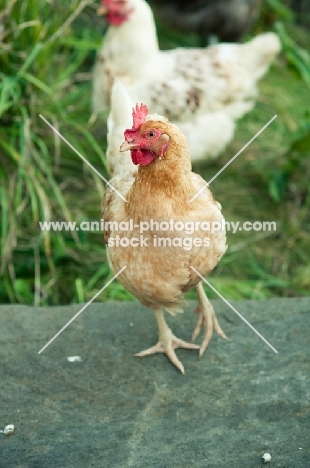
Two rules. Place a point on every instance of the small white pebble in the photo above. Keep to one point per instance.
(300, 448)
(266, 458)
(74, 359)
(131, 324)
(9, 429)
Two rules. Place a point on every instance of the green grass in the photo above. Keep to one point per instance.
(45, 69)
(42, 67)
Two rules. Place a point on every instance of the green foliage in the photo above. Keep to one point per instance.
(47, 50)
(277, 10)
(40, 176)
(297, 153)
(297, 57)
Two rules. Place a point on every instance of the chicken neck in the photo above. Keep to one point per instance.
(133, 43)
(161, 189)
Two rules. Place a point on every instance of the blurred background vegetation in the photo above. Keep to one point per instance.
(47, 51)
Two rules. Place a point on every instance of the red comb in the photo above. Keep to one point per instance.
(139, 113)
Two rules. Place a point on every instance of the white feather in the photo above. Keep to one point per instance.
(119, 119)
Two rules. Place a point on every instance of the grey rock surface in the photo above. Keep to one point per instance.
(115, 410)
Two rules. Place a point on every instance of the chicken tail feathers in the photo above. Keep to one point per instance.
(119, 119)
(260, 52)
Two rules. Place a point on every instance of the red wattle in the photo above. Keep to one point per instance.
(143, 157)
(134, 156)
(115, 18)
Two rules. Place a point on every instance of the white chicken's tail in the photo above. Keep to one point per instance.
(120, 118)
(260, 52)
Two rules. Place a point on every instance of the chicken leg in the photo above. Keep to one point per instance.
(167, 342)
(206, 317)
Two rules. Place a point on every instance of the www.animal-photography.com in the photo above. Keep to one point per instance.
(154, 233)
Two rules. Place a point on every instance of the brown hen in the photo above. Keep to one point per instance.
(158, 184)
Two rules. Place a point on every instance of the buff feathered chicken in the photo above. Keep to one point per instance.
(203, 91)
(151, 170)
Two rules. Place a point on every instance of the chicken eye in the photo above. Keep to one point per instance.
(151, 134)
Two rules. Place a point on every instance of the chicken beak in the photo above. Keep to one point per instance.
(127, 146)
(102, 11)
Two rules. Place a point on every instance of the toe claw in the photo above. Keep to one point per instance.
(208, 319)
(203, 347)
(197, 328)
(158, 348)
(218, 329)
(173, 358)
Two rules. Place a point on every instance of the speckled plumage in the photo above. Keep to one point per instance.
(203, 91)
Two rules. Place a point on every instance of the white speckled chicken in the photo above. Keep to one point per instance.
(203, 91)
(153, 173)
